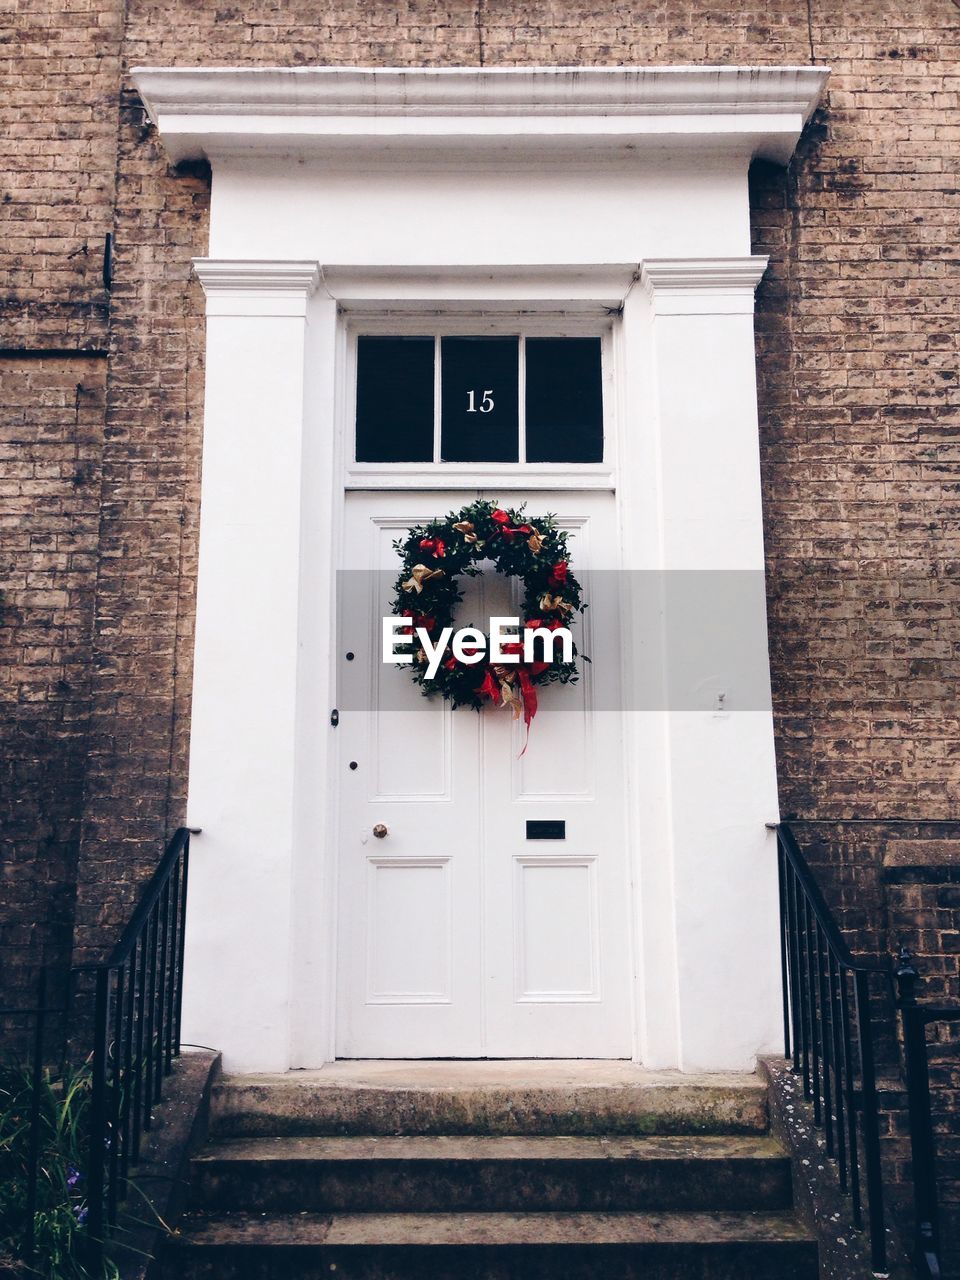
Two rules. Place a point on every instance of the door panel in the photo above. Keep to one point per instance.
(408, 929)
(409, 932)
(556, 936)
(459, 935)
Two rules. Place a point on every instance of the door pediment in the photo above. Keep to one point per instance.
(212, 112)
(468, 167)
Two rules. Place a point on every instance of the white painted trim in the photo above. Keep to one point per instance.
(214, 111)
(222, 275)
(703, 286)
(585, 289)
(476, 91)
(539, 475)
(520, 317)
(257, 288)
(677, 275)
(591, 288)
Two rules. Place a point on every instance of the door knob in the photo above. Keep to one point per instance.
(380, 830)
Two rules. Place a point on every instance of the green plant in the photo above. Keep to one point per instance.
(61, 1210)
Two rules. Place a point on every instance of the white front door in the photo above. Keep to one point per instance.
(462, 932)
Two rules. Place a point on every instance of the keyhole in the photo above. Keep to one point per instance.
(349, 657)
(354, 765)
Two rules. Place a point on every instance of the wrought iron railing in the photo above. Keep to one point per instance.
(38, 1016)
(915, 1018)
(138, 994)
(830, 1035)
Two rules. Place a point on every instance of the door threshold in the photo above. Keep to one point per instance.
(498, 1073)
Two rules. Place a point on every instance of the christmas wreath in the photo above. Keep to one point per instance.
(434, 556)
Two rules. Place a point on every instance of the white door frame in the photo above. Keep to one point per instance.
(716, 1012)
(533, 234)
(563, 301)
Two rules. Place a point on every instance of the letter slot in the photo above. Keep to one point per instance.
(547, 829)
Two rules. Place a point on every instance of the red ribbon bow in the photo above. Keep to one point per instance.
(534, 668)
(489, 689)
(417, 620)
(528, 694)
(502, 518)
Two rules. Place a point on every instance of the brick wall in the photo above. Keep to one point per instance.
(861, 406)
(51, 429)
(59, 67)
(136, 767)
(857, 340)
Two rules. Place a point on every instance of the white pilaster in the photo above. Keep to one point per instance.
(247, 668)
(704, 765)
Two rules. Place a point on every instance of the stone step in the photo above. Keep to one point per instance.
(487, 1098)
(459, 1174)
(499, 1246)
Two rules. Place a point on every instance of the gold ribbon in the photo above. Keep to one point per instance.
(466, 528)
(420, 574)
(509, 694)
(555, 604)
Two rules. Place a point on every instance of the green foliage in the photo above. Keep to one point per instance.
(61, 1199)
(532, 548)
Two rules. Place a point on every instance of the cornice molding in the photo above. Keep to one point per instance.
(210, 112)
(679, 275)
(233, 275)
(237, 286)
(674, 284)
(473, 91)
(586, 287)
(258, 286)
(695, 286)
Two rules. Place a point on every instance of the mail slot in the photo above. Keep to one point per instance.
(547, 829)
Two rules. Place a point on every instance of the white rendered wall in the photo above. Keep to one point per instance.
(580, 210)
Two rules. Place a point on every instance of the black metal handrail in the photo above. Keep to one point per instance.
(915, 1018)
(136, 1027)
(39, 1014)
(829, 1034)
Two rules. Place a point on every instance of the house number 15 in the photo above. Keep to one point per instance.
(486, 403)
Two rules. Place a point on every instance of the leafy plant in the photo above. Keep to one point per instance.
(61, 1211)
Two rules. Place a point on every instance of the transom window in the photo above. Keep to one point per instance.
(460, 398)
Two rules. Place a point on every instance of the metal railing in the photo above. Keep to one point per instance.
(830, 1036)
(39, 1015)
(138, 994)
(915, 1018)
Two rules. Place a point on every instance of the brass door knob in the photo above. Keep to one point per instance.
(380, 830)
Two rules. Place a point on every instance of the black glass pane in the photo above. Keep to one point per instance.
(564, 400)
(395, 399)
(480, 399)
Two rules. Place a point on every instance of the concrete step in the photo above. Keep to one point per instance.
(499, 1246)
(459, 1174)
(487, 1099)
